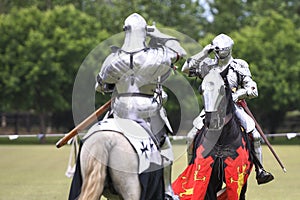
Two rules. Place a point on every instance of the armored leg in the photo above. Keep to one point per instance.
(262, 176)
(257, 145)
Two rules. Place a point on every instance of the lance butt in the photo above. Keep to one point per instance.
(85, 123)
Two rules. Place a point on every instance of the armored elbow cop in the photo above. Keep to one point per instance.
(251, 88)
(103, 87)
(248, 92)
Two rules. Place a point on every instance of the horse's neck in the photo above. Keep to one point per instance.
(230, 132)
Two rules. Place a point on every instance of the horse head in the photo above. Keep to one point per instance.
(214, 99)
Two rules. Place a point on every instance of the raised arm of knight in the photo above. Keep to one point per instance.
(161, 40)
(164, 40)
(247, 87)
(199, 64)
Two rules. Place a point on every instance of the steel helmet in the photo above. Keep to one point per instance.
(222, 46)
(135, 33)
(135, 22)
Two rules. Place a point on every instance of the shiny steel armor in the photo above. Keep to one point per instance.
(135, 72)
(133, 82)
(222, 46)
(239, 75)
(239, 78)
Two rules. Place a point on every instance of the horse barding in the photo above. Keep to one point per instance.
(221, 148)
(119, 160)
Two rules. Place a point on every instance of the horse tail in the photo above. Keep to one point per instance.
(95, 168)
(93, 183)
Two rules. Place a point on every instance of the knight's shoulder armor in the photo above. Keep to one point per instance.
(241, 67)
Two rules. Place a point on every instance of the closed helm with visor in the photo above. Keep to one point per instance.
(135, 33)
(222, 46)
(135, 23)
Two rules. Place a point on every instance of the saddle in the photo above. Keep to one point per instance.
(137, 136)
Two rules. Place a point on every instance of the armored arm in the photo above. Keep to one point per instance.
(105, 82)
(161, 39)
(248, 87)
(193, 62)
(103, 87)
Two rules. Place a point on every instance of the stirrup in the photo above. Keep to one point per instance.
(264, 177)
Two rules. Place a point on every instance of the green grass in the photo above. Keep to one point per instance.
(36, 172)
(33, 172)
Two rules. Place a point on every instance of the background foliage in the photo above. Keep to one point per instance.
(43, 43)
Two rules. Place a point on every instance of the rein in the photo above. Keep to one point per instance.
(228, 117)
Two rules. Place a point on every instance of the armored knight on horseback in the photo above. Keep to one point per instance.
(135, 73)
(241, 84)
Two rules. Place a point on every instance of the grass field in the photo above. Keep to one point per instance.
(36, 172)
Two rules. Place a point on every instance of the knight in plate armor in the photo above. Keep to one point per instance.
(135, 73)
(241, 83)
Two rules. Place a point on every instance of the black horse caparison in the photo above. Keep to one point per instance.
(229, 138)
(220, 149)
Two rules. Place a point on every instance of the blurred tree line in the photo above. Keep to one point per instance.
(44, 42)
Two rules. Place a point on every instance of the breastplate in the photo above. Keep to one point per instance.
(232, 79)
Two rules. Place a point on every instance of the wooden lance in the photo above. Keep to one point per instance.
(85, 123)
(247, 110)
